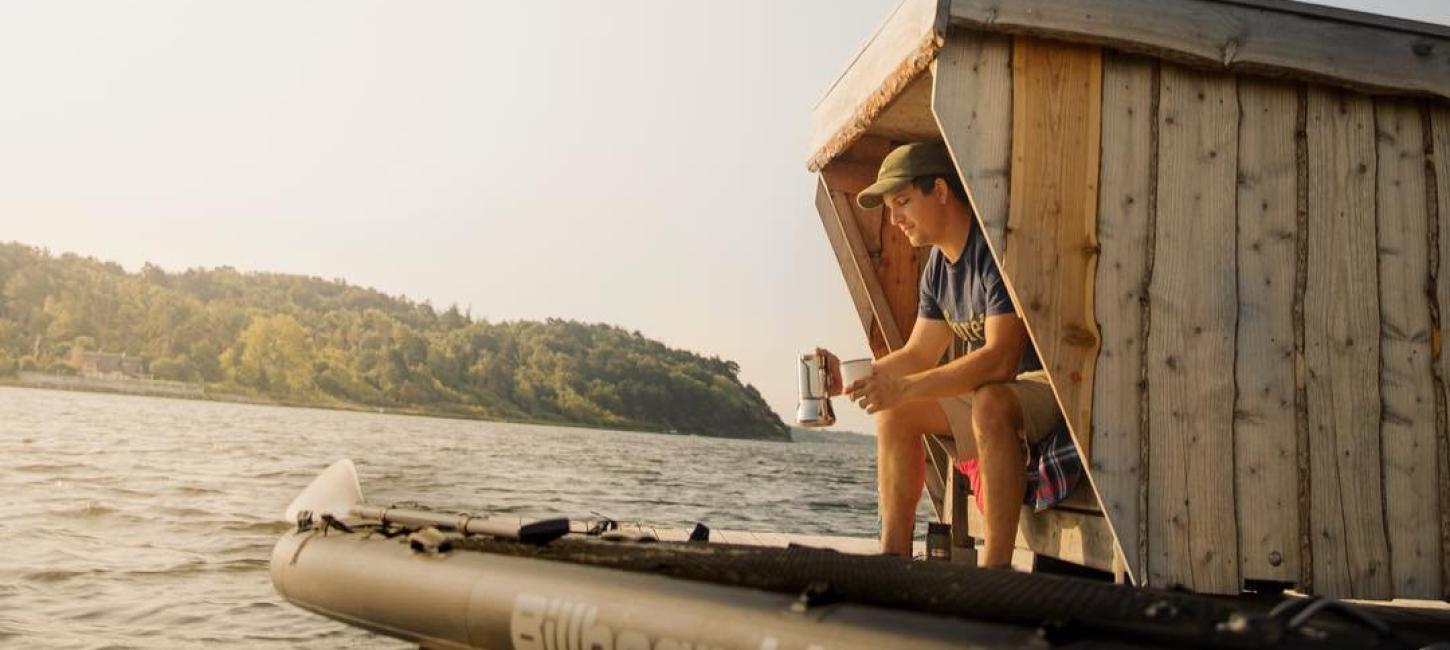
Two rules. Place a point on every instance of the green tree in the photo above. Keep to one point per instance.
(313, 340)
(274, 356)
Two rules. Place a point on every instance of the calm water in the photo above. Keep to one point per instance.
(143, 522)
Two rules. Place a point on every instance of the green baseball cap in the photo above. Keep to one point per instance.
(904, 163)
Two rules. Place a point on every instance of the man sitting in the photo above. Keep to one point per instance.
(995, 400)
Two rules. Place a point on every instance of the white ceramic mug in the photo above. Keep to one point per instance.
(853, 370)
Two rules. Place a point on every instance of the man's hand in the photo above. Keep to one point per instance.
(833, 371)
(879, 391)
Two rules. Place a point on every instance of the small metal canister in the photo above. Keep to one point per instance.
(815, 405)
(939, 541)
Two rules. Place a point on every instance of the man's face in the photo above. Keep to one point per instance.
(920, 216)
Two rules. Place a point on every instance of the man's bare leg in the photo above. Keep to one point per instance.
(997, 426)
(901, 468)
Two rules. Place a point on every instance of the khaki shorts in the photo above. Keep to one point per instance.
(1040, 415)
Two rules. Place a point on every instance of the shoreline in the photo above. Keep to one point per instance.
(146, 388)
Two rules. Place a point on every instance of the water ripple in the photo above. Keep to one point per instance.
(141, 522)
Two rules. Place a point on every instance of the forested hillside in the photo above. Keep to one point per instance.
(305, 340)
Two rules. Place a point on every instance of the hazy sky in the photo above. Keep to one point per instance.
(632, 162)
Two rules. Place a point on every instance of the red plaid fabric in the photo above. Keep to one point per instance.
(1053, 470)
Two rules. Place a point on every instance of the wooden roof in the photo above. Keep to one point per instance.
(1345, 15)
(1281, 38)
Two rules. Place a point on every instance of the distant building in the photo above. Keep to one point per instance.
(105, 365)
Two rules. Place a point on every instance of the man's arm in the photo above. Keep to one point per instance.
(929, 339)
(995, 361)
(923, 349)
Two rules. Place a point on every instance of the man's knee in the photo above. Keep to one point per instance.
(894, 423)
(996, 415)
(906, 421)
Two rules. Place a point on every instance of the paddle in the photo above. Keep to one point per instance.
(337, 492)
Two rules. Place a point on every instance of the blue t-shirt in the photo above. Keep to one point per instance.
(964, 293)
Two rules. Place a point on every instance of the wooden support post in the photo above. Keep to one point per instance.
(938, 475)
(964, 548)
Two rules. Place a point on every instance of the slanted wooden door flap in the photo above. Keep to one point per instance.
(1042, 225)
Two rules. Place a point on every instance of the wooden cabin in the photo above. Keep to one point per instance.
(1221, 221)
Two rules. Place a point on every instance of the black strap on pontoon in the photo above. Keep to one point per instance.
(1065, 609)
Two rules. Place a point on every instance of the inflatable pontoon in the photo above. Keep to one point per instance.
(460, 581)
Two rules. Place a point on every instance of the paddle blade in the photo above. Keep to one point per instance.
(335, 491)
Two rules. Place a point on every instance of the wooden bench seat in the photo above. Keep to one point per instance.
(1074, 530)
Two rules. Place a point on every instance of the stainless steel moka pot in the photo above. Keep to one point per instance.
(815, 404)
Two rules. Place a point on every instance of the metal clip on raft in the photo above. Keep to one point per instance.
(336, 495)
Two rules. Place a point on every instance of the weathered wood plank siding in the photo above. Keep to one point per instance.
(974, 92)
(1269, 206)
(1235, 282)
(1124, 201)
(860, 268)
(1342, 348)
(1265, 442)
(1406, 380)
(879, 250)
(855, 284)
(1051, 248)
(1193, 538)
(1438, 143)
